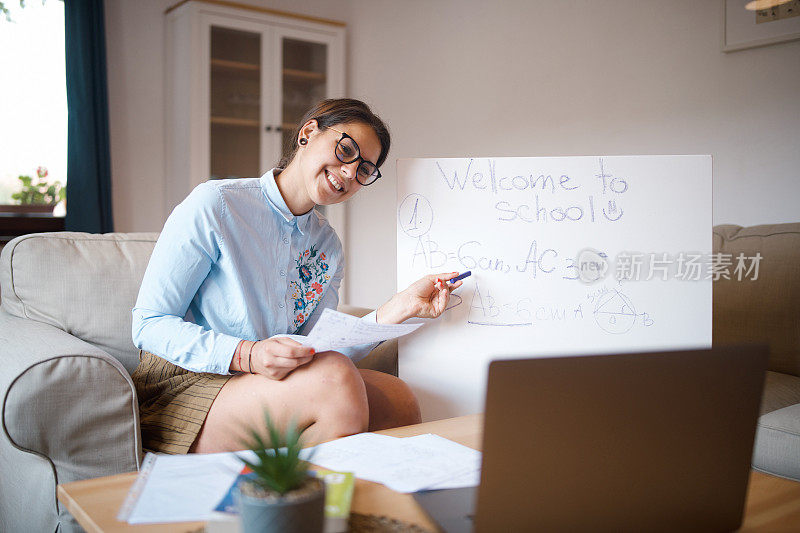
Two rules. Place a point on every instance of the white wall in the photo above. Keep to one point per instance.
(578, 77)
(135, 59)
(506, 78)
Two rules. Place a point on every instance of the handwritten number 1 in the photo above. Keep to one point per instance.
(414, 215)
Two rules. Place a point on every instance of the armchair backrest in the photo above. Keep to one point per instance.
(85, 284)
(767, 309)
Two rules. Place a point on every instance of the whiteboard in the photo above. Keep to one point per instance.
(569, 256)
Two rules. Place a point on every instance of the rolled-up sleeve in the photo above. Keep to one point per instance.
(186, 251)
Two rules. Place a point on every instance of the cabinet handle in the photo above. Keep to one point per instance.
(270, 128)
(278, 128)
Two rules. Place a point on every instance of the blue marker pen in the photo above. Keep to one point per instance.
(461, 276)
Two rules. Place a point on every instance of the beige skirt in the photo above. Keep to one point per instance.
(173, 403)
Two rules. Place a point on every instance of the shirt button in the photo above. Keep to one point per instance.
(285, 240)
(283, 272)
(280, 305)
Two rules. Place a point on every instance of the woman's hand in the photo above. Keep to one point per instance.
(425, 298)
(275, 358)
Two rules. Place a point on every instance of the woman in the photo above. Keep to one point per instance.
(241, 261)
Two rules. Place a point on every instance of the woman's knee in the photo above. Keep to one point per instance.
(340, 392)
(333, 368)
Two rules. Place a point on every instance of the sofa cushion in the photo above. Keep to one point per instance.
(777, 447)
(767, 309)
(85, 284)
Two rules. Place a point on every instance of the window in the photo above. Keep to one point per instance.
(33, 98)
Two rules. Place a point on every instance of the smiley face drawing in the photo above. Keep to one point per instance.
(614, 313)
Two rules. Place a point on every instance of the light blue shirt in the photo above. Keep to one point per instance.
(233, 263)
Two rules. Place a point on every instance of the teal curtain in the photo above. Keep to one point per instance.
(88, 156)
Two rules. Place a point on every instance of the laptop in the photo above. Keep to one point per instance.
(631, 442)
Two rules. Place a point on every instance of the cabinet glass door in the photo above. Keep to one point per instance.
(235, 101)
(304, 83)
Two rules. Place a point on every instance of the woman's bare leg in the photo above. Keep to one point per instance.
(391, 402)
(326, 398)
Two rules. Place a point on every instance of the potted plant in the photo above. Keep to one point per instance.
(39, 196)
(279, 495)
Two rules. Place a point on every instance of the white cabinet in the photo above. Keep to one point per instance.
(238, 81)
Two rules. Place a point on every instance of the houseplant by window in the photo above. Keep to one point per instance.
(37, 195)
(280, 495)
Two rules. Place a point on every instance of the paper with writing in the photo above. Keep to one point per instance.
(182, 488)
(179, 488)
(402, 464)
(335, 330)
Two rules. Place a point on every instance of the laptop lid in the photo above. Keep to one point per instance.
(638, 442)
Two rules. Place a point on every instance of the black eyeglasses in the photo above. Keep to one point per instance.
(347, 151)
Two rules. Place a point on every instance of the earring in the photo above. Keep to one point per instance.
(303, 141)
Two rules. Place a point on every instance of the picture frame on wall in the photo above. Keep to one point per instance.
(754, 23)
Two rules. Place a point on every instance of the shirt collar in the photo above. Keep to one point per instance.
(275, 199)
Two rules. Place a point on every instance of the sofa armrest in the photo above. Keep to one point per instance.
(66, 401)
(383, 358)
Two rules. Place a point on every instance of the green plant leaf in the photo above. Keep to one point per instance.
(40, 193)
(278, 466)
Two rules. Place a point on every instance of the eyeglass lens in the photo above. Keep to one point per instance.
(347, 151)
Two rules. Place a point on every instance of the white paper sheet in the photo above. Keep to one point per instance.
(179, 488)
(467, 478)
(335, 330)
(402, 464)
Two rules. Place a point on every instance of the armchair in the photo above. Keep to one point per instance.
(69, 409)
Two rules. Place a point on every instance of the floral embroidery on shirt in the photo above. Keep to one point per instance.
(312, 270)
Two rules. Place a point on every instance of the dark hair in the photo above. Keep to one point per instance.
(341, 111)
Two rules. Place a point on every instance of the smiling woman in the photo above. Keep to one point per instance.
(239, 264)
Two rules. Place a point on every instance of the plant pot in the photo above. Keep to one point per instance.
(290, 513)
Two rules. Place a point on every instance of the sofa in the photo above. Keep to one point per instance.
(69, 408)
(766, 310)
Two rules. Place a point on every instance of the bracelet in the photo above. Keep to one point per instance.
(249, 353)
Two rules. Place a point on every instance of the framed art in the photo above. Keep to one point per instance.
(753, 23)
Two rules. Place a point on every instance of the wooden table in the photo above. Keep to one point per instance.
(773, 504)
